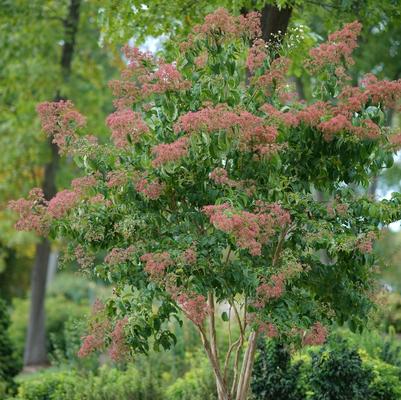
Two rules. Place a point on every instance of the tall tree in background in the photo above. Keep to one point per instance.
(50, 53)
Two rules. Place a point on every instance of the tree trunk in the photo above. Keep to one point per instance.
(35, 346)
(274, 22)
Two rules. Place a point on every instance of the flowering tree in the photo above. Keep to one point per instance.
(204, 202)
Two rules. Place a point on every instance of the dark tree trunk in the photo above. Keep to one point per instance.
(35, 346)
(274, 22)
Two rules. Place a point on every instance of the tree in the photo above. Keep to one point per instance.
(205, 199)
(39, 44)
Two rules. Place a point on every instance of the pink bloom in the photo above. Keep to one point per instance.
(221, 22)
(151, 190)
(126, 124)
(170, 152)
(82, 184)
(288, 119)
(250, 230)
(365, 244)
(333, 126)
(367, 130)
(95, 339)
(166, 78)
(32, 213)
(156, 264)
(90, 343)
(337, 49)
(84, 259)
(194, 306)
(60, 121)
(268, 329)
(274, 290)
(257, 55)
(311, 115)
(62, 202)
(118, 256)
(99, 199)
(201, 60)
(274, 77)
(189, 256)
(316, 335)
(116, 179)
(119, 348)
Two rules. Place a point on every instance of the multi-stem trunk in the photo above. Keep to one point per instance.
(238, 387)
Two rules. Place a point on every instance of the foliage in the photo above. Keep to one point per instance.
(109, 383)
(9, 364)
(196, 384)
(390, 313)
(211, 179)
(274, 376)
(338, 374)
(59, 312)
(351, 368)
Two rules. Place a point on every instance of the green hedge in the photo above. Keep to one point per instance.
(108, 384)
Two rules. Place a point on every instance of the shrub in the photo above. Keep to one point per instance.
(273, 376)
(196, 384)
(9, 365)
(338, 374)
(108, 384)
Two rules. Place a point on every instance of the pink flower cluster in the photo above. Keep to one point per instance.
(143, 77)
(169, 152)
(337, 49)
(126, 123)
(353, 99)
(166, 78)
(99, 199)
(80, 185)
(60, 121)
(312, 114)
(367, 130)
(90, 344)
(62, 202)
(118, 349)
(338, 208)
(257, 55)
(84, 259)
(277, 117)
(268, 329)
(119, 255)
(194, 306)
(275, 76)
(156, 264)
(97, 333)
(365, 244)
(315, 336)
(220, 22)
(207, 119)
(268, 291)
(220, 177)
(189, 256)
(32, 212)
(254, 134)
(250, 230)
(116, 178)
(151, 190)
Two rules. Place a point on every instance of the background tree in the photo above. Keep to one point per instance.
(61, 59)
